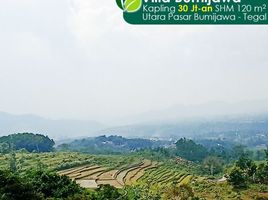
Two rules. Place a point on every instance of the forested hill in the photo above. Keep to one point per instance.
(28, 141)
(112, 144)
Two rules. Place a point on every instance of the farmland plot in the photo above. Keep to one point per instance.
(139, 171)
(93, 176)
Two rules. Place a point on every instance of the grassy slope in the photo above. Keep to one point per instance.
(212, 190)
(61, 160)
(166, 173)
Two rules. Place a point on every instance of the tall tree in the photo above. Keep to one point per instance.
(237, 178)
(189, 150)
(13, 162)
(266, 154)
(213, 164)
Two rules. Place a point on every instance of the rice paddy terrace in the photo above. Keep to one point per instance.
(91, 171)
(91, 176)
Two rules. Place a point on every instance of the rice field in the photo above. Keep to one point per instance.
(92, 176)
(145, 171)
(91, 171)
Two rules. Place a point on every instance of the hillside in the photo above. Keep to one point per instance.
(134, 168)
(56, 129)
(248, 130)
(112, 144)
(26, 141)
(132, 174)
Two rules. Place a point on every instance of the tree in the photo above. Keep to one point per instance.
(262, 173)
(247, 170)
(13, 162)
(52, 185)
(65, 147)
(107, 192)
(213, 164)
(259, 155)
(4, 148)
(237, 178)
(266, 154)
(182, 192)
(248, 166)
(189, 150)
(29, 141)
(13, 187)
(238, 151)
(39, 185)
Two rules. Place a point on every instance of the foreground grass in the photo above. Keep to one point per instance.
(207, 189)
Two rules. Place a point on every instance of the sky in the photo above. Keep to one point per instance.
(78, 59)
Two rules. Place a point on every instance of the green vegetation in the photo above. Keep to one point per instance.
(52, 185)
(41, 185)
(246, 171)
(213, 164)
(189, 150)
(110, 145)
(56, 161)
(185, 170)
(36, 185)
(28, 141)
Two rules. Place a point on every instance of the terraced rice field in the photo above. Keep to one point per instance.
(69, 162)
(163, 176)
(92, 176)
(90, 171)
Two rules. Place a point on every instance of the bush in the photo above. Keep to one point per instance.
(107, 192)
(237, 178)
(12, 187)
(52, 185)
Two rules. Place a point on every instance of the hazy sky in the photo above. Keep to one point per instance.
(79, 59)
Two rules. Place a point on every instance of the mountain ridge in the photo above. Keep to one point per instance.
(56, 128)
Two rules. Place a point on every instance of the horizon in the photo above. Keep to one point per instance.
(168, 123)
(254, 110)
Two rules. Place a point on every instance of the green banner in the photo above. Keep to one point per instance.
(194, 11)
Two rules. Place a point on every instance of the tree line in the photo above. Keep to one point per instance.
(28, 141)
